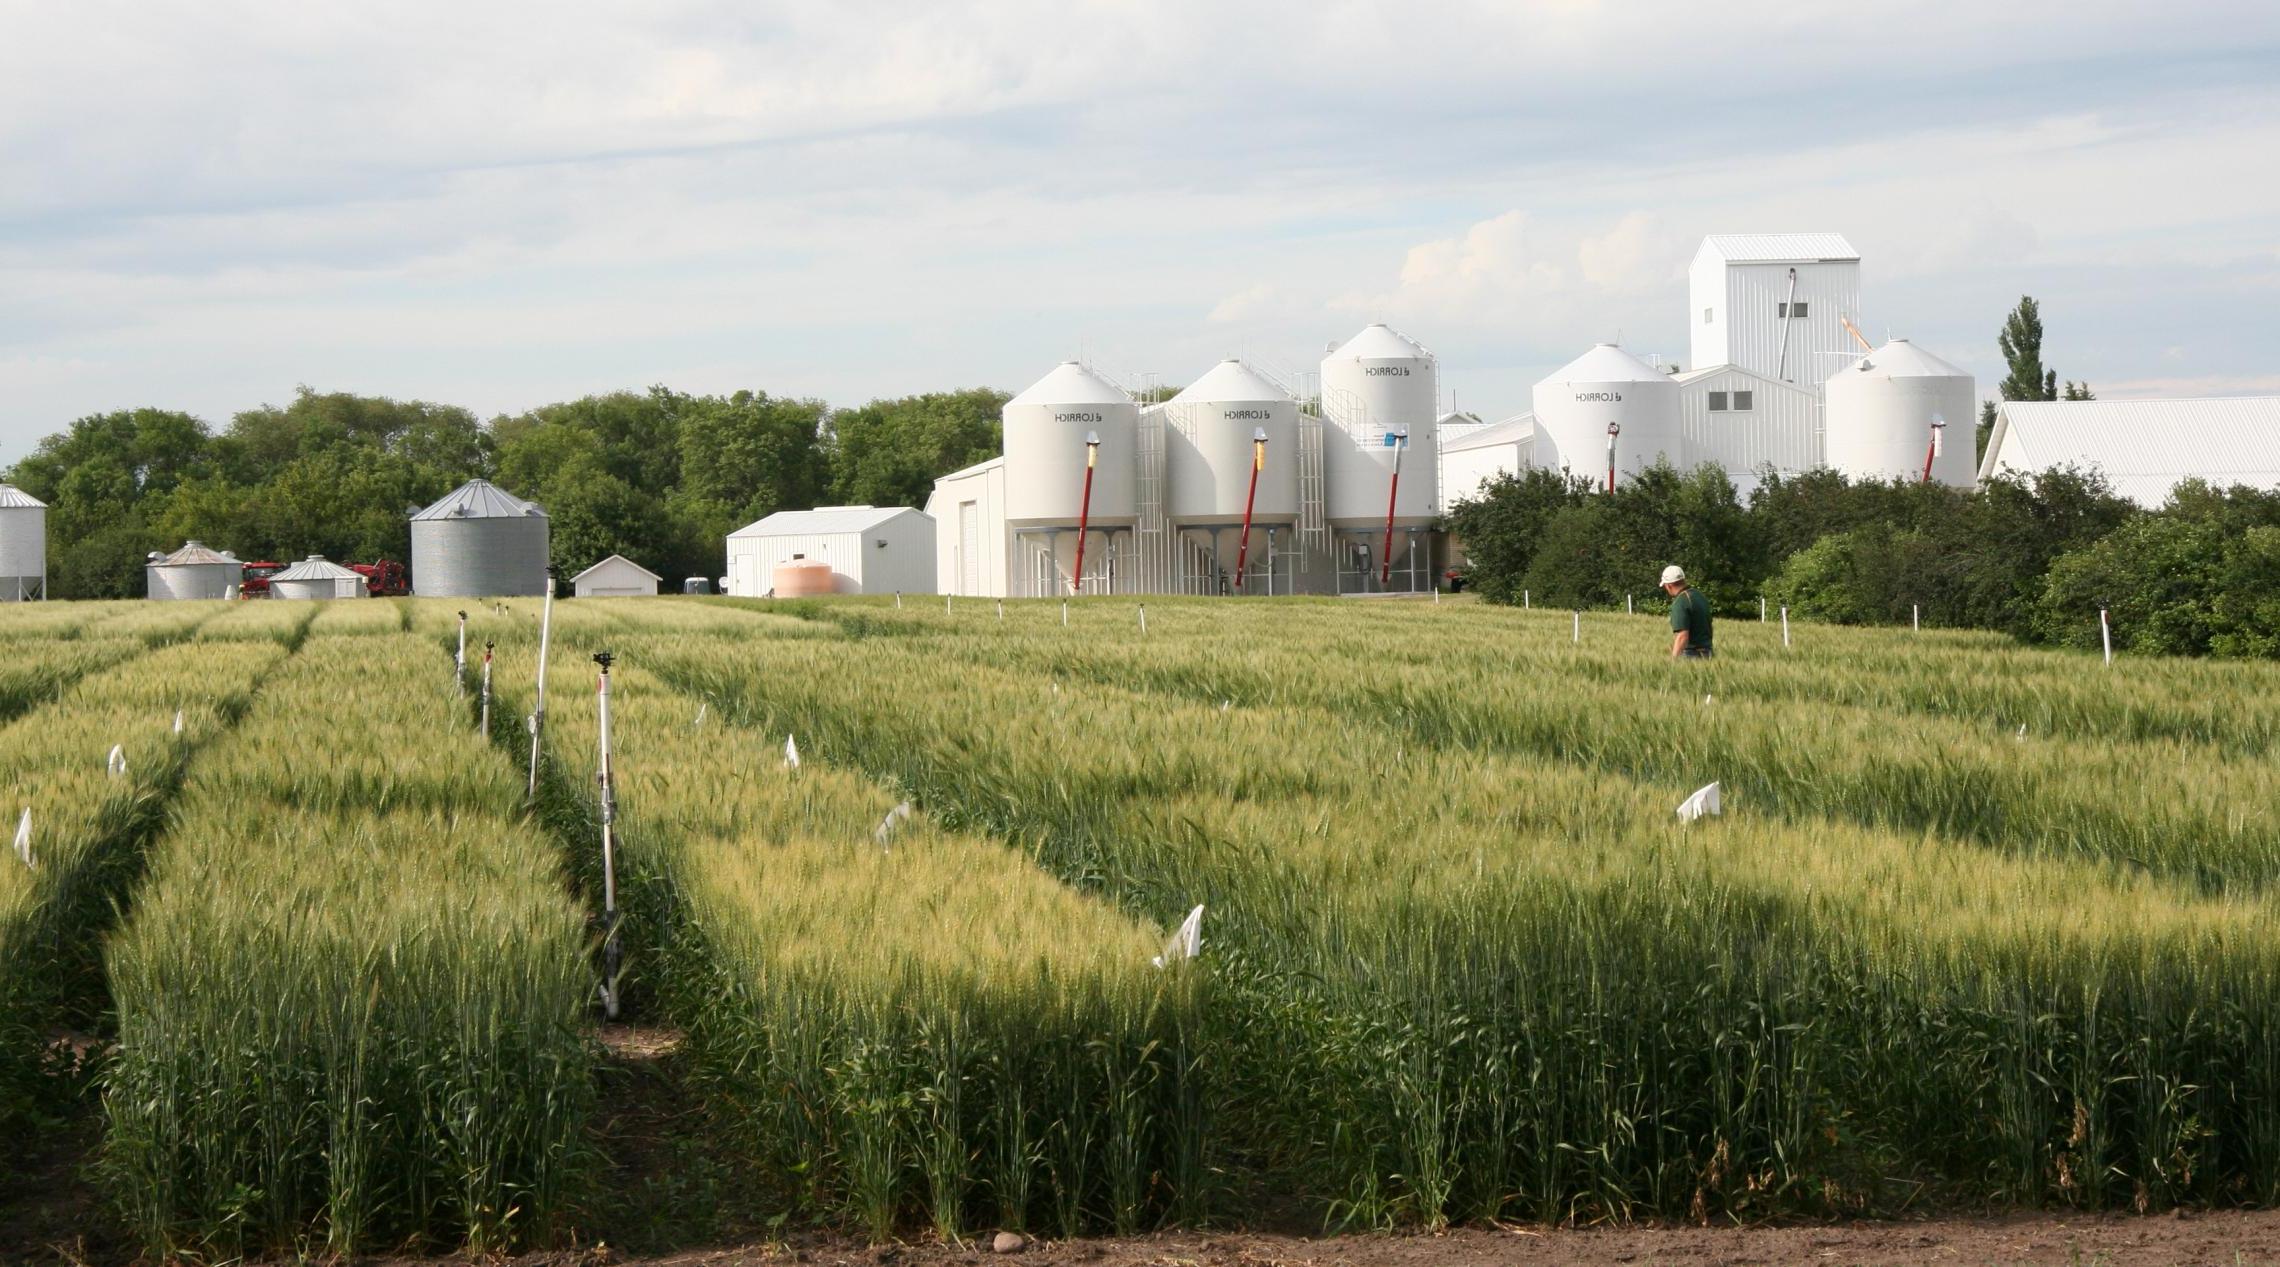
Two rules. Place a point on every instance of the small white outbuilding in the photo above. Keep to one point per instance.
(315, 577)
(2145, 448)
(870, 549)
(615, 577)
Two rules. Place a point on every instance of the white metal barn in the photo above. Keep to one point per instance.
(971, 542)
(1774, 303)
(871, 549)
(2145, 448)
(1744, 422)
(1471, 460)
(615, 577)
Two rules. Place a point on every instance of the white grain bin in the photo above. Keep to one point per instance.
(314, 577)
(1375, 386)
(1209, 449)
(23, 545)
(479, 541)
(1880, 411)
(193, 572)
(1045, 430)
(1606, 385)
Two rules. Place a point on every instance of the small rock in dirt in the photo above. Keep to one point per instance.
(1009, 1243)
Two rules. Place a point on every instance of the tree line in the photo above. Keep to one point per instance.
(658, 476)
(2036, 556)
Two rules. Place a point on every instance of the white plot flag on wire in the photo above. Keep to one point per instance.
(24, 837)
(1703, 802)
(178, 721)
(896, 817)
(791, 754)
(117, 764)
(1186, 940)
(702, 709)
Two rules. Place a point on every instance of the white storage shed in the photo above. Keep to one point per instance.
(1471, 461)
(2145, 448)
(870, 549)
(615, 577)
(971, 541)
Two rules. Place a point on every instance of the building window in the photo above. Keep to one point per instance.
(1743, 401)
(1795, 311)
(1717, 402)
(1705, 316)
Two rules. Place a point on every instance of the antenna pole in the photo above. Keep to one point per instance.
(612, 952)
(538, 715)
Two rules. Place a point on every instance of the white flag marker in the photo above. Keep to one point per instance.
(1143, 618)
(2106, 636)
(24, 837)
(1001, 609)
(1705, 701)
(791, 754)
(1703, 802)
(1056, 689)
(702, 709)
(178, 721)
(2022, 735)
(896, 817)
(1186, 941)
(945, 604)
(1064, 613)
(898, 600)
(1785, 625)
(117, 764)
(1226, 704)
(1577, 636)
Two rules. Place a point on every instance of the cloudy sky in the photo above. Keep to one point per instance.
(504, 204)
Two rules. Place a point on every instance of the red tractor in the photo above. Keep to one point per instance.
(384, 579)
(256, 581)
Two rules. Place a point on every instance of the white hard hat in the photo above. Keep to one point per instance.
(1673, 575)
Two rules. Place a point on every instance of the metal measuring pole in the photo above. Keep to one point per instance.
(459, 659)
(611, 950)
(538, 715)
(486, 722)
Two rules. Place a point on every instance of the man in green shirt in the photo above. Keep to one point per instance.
(1689, 617)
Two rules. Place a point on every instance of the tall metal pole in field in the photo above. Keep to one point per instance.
(459, 659)
(1250, 499)
(611, 950)
(1392, 494)
(1084, 511)
(538, 716)
(486, 722)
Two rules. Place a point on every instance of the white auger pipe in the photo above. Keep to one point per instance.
(538, 715)
(611, 950)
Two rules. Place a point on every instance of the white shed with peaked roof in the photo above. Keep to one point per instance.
(871, 549)
(615, 577)
(2144, 448)
(316, 577)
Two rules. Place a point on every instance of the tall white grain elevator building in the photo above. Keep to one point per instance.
(1774, 304)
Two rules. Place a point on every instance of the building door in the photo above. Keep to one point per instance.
(969, 548)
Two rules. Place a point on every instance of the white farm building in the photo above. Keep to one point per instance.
(869, 549)
(2144, 448)
(615, 577)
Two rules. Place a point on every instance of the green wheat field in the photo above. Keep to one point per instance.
(1978, 926)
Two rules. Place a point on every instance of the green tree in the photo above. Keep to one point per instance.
(2021, 342)
(890, 452)
(1501, 527)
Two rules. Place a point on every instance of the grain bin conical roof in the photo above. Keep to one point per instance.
(194, 554)
(480, 499)
(316, 568)
(1902, 359)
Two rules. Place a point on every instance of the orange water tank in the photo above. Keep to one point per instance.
(804, 578)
